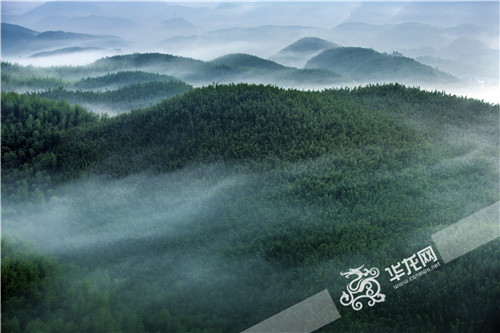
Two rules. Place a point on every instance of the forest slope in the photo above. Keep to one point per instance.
(255, 192)
(367, 65)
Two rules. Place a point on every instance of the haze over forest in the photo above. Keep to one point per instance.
(200, 167)
(461, 41)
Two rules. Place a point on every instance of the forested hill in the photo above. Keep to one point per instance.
(225, 69)
(299, 52)
(220, 207)
(367, 65)
(262, 125)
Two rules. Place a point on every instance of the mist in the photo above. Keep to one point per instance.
(157, 239)
(202, 31)
(148, 240)
(460, 39)
(223, 238)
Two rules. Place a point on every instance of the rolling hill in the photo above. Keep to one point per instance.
(11, 32)
(366, 65)
(112, 93)
(225, 69)
(248, 61)
(122, 99)
(256, 192)
(309, 44)
(297, 53)
(14, 37)
(64, 51)
(121, 79)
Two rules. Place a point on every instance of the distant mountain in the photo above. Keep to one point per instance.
(446, 14)
(49, 36)
(357, 33)
(14, 31)
(128, 20)
(367, 65)
(249, 68)
(66, 50)
(262, 41)
(269, 31)
(63, 8)
(15, 37)
(180, 67)
(401, 36)
(309, 44)
(297, 53)
(122, 99)
(410, 36)
(226, 69)
(247, 61)
(121, 79)
(465, 47)
(175, 28)
(177, 24)
(20, 41)
(472, 30)
(91, 24)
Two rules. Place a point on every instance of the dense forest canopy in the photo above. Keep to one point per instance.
(217, 208)
(202, 167)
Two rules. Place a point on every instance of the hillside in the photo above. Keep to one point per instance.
(227, 69)
(297, 53)
(251, 191)
(333, 67)
(14, 37)
(121, 79)
(309, 44)
(125, 98)
(247, 61)
(252, 69)
(367, 65)
(12, 32)
(64, 51)
(29, 78)
(112, 93)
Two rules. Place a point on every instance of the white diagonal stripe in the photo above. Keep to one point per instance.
(469, 233)
(306, 316)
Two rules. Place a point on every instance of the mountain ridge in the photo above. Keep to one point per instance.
(367, 65)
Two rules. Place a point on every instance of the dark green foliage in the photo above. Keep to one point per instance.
(216, 209)
(26, 277)
(21, 79)
(114, 92)
(187, 69)
(130, 97)
(13, 83)
(138, 60)
(32, 129)
(121, 79)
